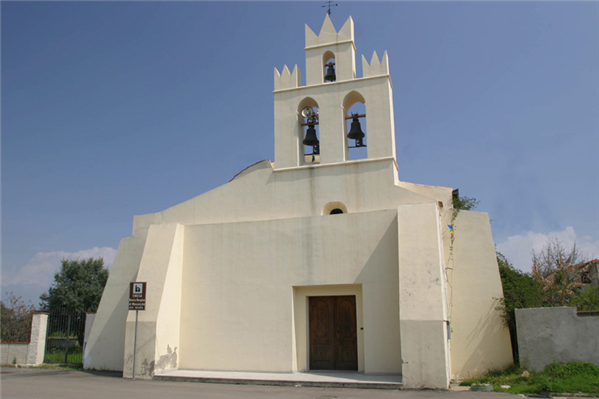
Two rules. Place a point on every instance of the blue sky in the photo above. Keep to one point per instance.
(116, 109)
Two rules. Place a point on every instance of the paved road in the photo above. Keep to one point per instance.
(67, 384)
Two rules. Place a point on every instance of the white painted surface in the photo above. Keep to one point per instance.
(239, 279)
(31, 353)
(480, 341)
(333, 100)
(229, 271)
(37, 342)
(13, 353)
(341, 44)
(158, 325)
(89, 322)
(106, 345)
(422, 298)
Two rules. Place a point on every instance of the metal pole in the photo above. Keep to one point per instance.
(135, 342)
(68, 341)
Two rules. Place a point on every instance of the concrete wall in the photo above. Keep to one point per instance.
(245, 287)
(31, 353)
(423, 300)
(37, 342)
(89, 322)
(105, 347)
(479, 340)
(158, 325)
(12, 351)
(361, 186)
(547, 335)
(267, 193)
(270, 243)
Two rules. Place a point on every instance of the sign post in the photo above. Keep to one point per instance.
(137, 302)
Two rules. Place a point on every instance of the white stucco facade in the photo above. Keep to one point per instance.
(230, 273)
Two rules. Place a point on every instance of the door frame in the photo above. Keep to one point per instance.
(301, 325)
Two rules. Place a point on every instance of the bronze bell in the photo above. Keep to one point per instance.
(355, 132)
(330, 76)
(311, 138)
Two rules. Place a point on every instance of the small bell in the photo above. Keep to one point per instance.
(311, 138)
(356, 132)
(330, 76)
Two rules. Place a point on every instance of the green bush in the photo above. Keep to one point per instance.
(520, 290)
(561, 370)
(541, 383)
(587, 300)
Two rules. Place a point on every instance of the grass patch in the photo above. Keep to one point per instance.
(56, 355)
(573, 377)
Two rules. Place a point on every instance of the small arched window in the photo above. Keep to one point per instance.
(328, 60)
(334, 208)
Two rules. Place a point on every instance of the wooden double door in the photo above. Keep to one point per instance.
(333, 333)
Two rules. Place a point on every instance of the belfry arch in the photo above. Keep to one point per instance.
(328, 65)
(354, 104)
(308, 154)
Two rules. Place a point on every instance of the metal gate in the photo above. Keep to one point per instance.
(64, 338)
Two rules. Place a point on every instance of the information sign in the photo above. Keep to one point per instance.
(137, 296)
(137, 302)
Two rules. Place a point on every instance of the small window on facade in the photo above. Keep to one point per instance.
(334, 208)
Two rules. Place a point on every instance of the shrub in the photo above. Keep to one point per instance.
(587, 300)
(561, 370)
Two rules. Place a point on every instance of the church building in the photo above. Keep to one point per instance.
(316, 261)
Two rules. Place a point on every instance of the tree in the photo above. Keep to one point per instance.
(77, 287)
(555, 269)
(520, 290)
(16, 319)
(587, 300)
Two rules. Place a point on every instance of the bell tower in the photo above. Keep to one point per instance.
(331, 89)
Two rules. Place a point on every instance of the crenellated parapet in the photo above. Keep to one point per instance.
(376, 67)
(286, 79)
(328, 34)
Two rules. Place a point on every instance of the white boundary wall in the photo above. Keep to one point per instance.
(31, 353)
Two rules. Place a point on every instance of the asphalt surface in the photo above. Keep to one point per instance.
(65, 384)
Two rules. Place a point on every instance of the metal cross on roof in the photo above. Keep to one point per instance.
(329, 5)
